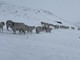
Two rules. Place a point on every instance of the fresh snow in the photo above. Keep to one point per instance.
(60, 44)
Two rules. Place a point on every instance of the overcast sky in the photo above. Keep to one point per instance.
(66, 9)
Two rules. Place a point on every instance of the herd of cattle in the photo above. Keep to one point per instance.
(23, 28)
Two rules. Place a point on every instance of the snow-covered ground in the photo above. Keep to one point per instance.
(60, 44)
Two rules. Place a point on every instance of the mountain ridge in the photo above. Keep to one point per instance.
(9, 11)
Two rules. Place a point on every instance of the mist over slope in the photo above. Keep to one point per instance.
(29, 15)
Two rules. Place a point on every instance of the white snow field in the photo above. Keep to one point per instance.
(60, 44)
